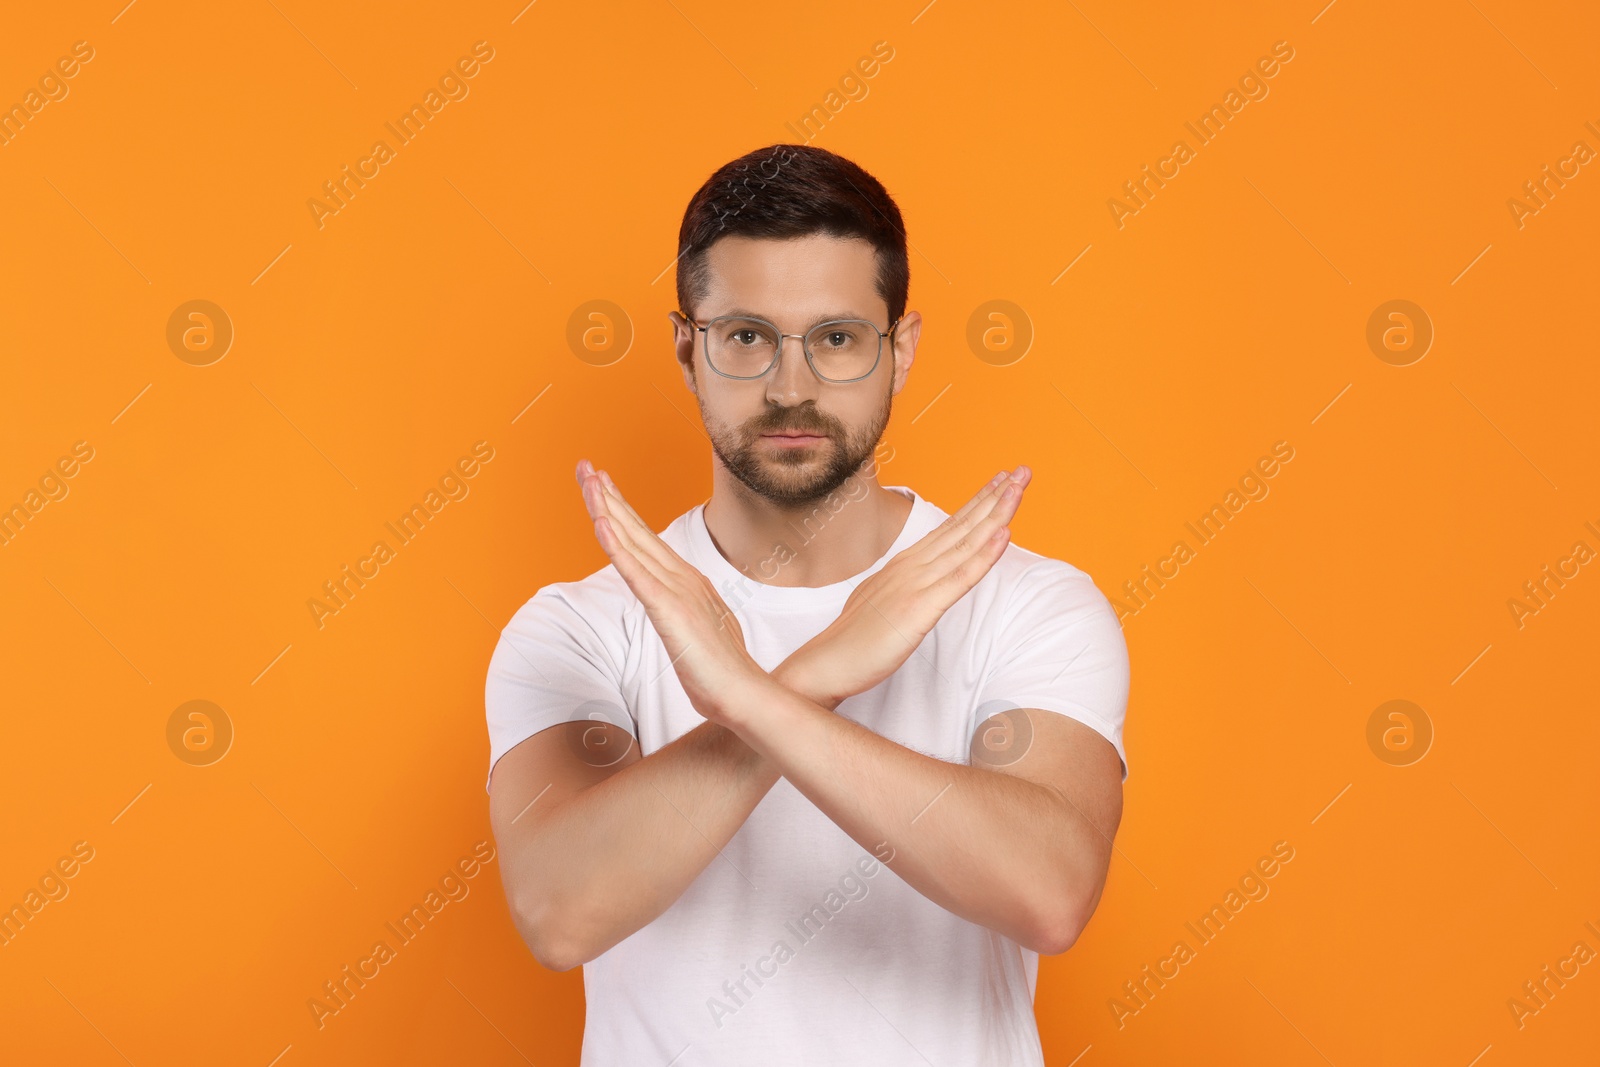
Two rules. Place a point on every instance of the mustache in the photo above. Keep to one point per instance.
(805, 428)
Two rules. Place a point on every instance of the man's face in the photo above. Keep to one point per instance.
(794, 284)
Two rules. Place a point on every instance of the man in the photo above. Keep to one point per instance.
(813, 775)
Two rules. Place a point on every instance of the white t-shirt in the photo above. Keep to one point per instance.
(797, 946)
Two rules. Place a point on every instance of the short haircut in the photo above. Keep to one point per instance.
(791, 190)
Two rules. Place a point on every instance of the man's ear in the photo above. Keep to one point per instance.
(683, 348)
(906, 333)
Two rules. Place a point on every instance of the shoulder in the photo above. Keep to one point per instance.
(1020, 571)
(1041, 588)
(1023, 566)
(597, 596)
(563, 626)
(1029, 583)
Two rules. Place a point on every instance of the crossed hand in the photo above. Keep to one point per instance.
(883, 621)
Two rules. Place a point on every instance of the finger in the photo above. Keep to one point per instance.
(654, 593)
(956, 526)
(955, 584)
(935, 542)
(1002, 498)
(984, 500)
(598, 502)
(976, 537)
(981, 495)
(632, 518)
(637, 532)
(669, 568)
(654, 589)
(1006, 502)
(584, 472)
(601, 510)
(645, 585)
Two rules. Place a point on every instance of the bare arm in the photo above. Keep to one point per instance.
(1023, 851)
(590, 854)
(1019, 841)
(595, 845)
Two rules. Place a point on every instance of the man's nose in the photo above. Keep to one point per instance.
(791, 382)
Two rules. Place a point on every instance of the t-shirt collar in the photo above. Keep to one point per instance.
(741, 591)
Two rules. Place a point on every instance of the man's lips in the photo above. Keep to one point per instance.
(795, 441)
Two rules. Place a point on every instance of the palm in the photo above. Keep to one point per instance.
(702, 637)
(887, 616)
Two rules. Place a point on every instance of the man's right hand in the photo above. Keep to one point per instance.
(888, 614)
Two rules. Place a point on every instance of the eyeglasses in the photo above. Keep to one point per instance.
(844, 350)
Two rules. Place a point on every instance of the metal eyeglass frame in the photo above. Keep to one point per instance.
(778, 355)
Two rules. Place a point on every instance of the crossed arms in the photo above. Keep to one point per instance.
(590, 853)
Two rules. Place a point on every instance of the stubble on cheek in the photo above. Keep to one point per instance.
(808, 474)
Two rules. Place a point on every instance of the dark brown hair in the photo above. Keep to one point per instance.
(792, 190)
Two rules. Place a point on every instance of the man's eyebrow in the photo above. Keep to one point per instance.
(744, 313)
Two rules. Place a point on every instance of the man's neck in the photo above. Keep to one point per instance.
(819, 544)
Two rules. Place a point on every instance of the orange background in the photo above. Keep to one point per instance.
(370, 354)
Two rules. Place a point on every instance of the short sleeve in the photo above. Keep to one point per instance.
(558, 660)
(1059, 648)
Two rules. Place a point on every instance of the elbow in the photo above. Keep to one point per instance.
(1058, 927)
(1060, 918)
(1057, 935)
(548, 937)
(553, 956)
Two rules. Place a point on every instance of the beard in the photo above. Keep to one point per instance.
(796, 478)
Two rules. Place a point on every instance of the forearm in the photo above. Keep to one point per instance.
(606, 860)
(994, 848)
